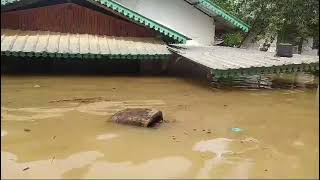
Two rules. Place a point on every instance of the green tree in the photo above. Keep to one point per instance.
(271, 17)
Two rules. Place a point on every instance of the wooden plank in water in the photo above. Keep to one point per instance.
(138, 117)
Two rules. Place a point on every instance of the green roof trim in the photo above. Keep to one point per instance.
(134, 16)
(88, 56)
(226, 15)
(266, 70)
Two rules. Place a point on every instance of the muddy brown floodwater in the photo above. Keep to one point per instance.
(55, 127)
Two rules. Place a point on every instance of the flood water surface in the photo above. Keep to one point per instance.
(57, 127)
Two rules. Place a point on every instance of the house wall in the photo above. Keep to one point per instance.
(177, 15)
(72, 18)
(307, 47)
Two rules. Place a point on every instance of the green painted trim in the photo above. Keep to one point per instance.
(134, 16)
(227, 16)
(266, 70)
(89, 56)
(138, 18)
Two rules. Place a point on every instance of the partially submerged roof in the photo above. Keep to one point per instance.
(211, 8)
(226, 61)
(121, 10)
(53, 44)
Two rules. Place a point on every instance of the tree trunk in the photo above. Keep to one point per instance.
(254, 31)
(249, 39)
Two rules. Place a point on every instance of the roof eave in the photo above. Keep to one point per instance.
(215, 9)
(129, 14)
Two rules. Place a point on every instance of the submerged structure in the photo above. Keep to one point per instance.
(145, 35)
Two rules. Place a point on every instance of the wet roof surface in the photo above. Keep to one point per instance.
(16, 41)
(224, 58)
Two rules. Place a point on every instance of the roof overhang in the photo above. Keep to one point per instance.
(109, 5)
(228, 62)
(224, 18)
(65, 45)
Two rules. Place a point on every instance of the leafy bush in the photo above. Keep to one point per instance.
(233, 39)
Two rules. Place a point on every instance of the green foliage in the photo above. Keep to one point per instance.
(233, 39)
(269, 17)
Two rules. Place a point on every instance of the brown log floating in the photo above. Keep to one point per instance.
(138, 117)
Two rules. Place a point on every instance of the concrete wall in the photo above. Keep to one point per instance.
(177, 15)
(307, 47)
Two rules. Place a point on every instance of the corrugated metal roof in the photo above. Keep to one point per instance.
(225, 60)
(45, 43)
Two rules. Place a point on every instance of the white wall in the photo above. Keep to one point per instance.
(177, 15)
(307, 47)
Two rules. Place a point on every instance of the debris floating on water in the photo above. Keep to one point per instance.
(27, 130)
(138, 117)
(25, 168)
(236, 130)
(81, 100)
(53, 158)
(36, 86)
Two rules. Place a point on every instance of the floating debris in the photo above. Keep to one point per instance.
(25, 168)
(138, 117)
(36, 86)
(53, 158)
(249, 140)
(236, 130)
(81, 100)
(27, 130)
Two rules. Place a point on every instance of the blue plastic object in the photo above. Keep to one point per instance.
(236, 130)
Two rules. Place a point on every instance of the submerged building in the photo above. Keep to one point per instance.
(123, 35)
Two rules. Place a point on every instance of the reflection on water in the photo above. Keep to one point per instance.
(167, 168)
(96, 108)
(61, 130)
(268, 81)
(47, 169)
(217, 146)
(3, 133)
(221, 147)
(107, 136)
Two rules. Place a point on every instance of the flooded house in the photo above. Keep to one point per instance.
(55, 126)
(112, 36)
(105, 36)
